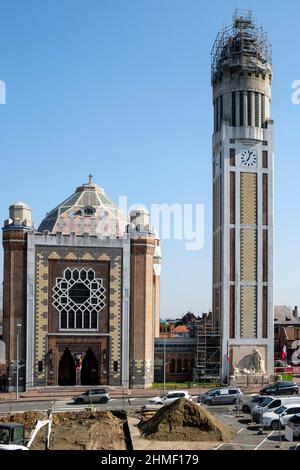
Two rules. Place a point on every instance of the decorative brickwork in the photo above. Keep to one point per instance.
(248, 198)
(50, 264)
(248, 255)
(248, 312)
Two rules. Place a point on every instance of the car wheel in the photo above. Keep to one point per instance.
(235, 401)
(79, 401)
(275, 425)
(104, 400)
(246, 409)
(208, 402)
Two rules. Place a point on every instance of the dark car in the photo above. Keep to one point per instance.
(92, 396)
(280, 388)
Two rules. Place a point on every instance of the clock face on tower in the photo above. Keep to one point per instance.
(249, 158)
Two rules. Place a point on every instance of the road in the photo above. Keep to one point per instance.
(68, 405)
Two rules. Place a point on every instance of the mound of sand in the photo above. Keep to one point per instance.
(184, 420)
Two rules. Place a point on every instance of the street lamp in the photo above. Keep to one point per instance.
(165, 365)
(18, 332)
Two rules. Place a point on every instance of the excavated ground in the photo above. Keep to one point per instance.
(184, 420)
(84, 430)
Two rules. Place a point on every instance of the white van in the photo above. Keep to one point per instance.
(270, 404)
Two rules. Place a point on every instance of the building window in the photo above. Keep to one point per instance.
(88, 211)
(78, 297)
(249, 107)
(232, 312)
(116, 366)
(232, 254)
(265, 199)
(265, 312)
(40, 367)
(179, 366)
(265, 255)
(241, 108)
(232, 197)
(265, 159)
(233, 109)
(263, 110)
(232, 157)
(256, 110)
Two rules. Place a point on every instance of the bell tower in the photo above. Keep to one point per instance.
(243, 159)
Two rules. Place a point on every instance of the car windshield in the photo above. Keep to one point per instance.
(266, 401)
(4, 436)
(280, 410)
(211, 392)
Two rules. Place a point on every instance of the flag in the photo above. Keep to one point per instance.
(283, 352)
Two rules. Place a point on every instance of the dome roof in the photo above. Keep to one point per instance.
(88, 210)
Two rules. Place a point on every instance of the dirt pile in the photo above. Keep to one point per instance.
(83, 430)
(184, 420)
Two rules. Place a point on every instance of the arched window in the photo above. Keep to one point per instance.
(172, 366)
(186, 365)
(179, 366)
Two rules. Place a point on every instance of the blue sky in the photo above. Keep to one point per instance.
(121, 89)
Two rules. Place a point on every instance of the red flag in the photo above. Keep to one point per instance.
(283, 352)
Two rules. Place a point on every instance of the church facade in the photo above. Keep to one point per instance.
(84, 289)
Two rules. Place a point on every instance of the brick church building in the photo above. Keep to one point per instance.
(81, 294)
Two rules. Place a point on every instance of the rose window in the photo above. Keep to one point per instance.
(78, 297)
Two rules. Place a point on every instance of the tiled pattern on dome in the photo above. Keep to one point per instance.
(70, 216)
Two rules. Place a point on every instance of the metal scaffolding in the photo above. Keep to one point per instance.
(241, 44)
(208, 350)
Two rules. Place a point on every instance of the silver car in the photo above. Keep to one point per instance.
(92, 396)
(221, 396)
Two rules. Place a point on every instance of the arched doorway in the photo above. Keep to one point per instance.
(89, 370)
(66, 369)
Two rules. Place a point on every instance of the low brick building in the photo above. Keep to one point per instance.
(179, 353)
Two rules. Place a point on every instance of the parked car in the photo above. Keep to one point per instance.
(97, 395)
(170, 397)
(280, 388)
(249, 403)
(220, 396)
(294, 426)
(270, 404)
(283, 413)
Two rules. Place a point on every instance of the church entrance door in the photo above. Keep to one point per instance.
(89, 370)
(66, 369)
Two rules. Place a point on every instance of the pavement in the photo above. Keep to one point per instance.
(59, 393)
(249, 435)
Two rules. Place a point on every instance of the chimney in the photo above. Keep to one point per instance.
(295, 312)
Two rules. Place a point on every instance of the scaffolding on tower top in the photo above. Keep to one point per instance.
(242, 45)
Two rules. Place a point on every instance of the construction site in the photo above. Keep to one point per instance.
(181, 423)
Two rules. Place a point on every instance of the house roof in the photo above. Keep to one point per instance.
(181, 329)
(283, 315)
(291, 333)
